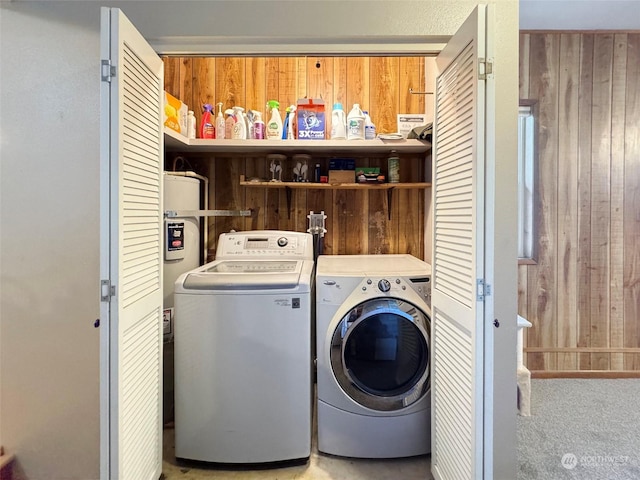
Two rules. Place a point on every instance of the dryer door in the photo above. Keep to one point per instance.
(380, 354)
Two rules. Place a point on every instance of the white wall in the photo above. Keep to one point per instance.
(49, 140)
(49, 242)
(579, 15)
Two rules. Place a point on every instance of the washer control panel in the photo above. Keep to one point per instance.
(255, 244)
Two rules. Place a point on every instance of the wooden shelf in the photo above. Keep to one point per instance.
(333, 186)
(175, 142)
(289, 186)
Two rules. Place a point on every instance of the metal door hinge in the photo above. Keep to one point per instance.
(107, 70)
(107, 290)
(485, 68)
(482, 290)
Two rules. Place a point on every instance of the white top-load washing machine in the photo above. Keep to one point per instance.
(373, 326)
(243, 366)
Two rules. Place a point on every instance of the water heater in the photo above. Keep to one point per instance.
(182, 235)
(182, 252)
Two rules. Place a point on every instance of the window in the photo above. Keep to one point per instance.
(526, 185)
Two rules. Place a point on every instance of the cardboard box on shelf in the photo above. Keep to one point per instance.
(175, 114)
(368, 175)
(342, 176)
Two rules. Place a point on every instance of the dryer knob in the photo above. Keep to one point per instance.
(282, 242)
(384, 285)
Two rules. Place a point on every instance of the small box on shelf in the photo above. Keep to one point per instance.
(342, 176)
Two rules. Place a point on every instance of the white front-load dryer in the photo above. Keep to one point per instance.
(373, 327)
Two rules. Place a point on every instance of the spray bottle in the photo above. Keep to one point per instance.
(250, 117)
(274, 127)
(289, 121)
(258, 126)
(207, 128)
(220, 125)
(240, 126)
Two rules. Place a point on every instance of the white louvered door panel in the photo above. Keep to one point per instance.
(458, 236)
(133, 165)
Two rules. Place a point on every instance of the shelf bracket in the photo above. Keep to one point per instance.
(206, 213)
(288, 191)
(419, 93)
(389, 197)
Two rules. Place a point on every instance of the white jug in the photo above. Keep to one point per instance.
(355, 123)
(338, 123)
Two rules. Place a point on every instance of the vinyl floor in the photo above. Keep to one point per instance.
(319, 467)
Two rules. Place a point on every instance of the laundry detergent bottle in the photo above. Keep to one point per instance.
(207, 128)
(338, 123)
(355, 123)
(274, 126)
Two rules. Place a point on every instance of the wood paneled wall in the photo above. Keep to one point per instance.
(583, 295)
(358, 221)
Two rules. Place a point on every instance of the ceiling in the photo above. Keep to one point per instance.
(579, 14)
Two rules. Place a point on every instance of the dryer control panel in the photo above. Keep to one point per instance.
(421, 285)
(265, 244)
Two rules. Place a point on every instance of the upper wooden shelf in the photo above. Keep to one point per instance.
(175, 142)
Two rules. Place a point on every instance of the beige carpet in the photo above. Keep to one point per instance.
(581, 429)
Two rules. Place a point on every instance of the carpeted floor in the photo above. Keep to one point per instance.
(583, 429)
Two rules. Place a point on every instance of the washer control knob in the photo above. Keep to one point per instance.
(282, 242)
(384, 285)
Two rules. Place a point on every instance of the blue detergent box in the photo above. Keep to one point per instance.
(311, 119)
(342, 164)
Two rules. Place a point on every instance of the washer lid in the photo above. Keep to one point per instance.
(245, 274)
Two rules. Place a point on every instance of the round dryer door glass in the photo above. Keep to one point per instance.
(380, 354)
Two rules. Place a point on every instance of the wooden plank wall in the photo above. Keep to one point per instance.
(583, 295)
(358, 221)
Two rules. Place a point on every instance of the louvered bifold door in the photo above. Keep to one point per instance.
(133, 75)
(457, 341)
